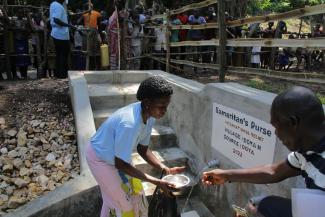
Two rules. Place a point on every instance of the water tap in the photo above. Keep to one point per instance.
(209, 164)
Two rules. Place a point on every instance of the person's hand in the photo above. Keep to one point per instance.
(167, 187)
(214, 177)
(74, 28)
(174, 170)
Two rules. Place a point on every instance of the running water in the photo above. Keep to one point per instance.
(210, 164)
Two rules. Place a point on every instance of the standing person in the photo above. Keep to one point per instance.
(37, 39)
(110, 149)
(91, 21)
(174, 37)
(135, 41)
(50, 51)
(196, 34)
(21, 34)
(160, 44)
(2, 48)
(113, 38)
(61, 37)
(209, 34)
(183, 35)
(298, 117)
(269, 32)
(256, 57)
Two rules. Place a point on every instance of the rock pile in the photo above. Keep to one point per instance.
(38, 149)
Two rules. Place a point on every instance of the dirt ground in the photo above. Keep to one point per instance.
(15, 95)
(21, 98)
(259, 82)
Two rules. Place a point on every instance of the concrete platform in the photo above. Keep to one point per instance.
(94, 96)
(194, 204)
(103, 96)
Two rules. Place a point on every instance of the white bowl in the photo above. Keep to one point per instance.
(179, 180)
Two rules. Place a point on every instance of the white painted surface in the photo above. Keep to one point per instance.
(243, 139)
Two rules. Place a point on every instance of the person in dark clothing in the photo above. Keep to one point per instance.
(22, 31)
(61, 37)
(299, 121)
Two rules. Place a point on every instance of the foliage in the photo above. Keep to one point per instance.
(275, 88)
(261, 6)
(321, 97)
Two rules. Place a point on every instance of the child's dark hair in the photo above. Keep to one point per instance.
(153, 88)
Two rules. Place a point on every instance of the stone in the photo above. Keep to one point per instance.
(42, 125)
(4, 185)
(51, 163)
(12, 133)
(67, 161)
(46, 146)
(38, 169)
(58, 176)
(51, 185)
(35, 123)
(5, 178)
(10, 190)
(4, 150)
(12, 141)
(14, 202)
(2, 121)
(22, 151)
(18, 163)
(21, 138)
(50, 157)
(42, 180)
(69, 134)
(28, 163)
(13, 154)
(60, 141)
(7, 168)
(20, 182)
(30, 130)
(43, 140)
(54, 135)
(59, 163)
(24, 171)
(3, 199)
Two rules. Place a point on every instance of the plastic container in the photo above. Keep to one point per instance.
(104, 55)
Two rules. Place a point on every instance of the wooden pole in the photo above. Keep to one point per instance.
(168, 30)
(87, 39)
(45, 40)
(118, 39)
(222, 40)
(39, 58)
(300, 26)
(297, 13)
(124, 42)
(6, 41)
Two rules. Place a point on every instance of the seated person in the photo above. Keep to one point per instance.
(298, 117)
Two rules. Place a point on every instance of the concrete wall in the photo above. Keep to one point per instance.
(190, 115)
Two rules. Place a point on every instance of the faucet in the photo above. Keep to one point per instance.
(209, 164)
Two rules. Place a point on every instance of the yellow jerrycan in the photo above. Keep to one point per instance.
(104, 56)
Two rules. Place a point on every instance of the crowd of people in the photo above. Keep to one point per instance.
(285, 57)
(67, 36)
(131, 35)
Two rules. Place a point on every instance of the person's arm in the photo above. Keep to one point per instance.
(99, 19)
(132, 171)
(80, 20)
(259, 175)
(61, 23)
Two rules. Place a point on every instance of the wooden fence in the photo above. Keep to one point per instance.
(41, 53)
(222, 42)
